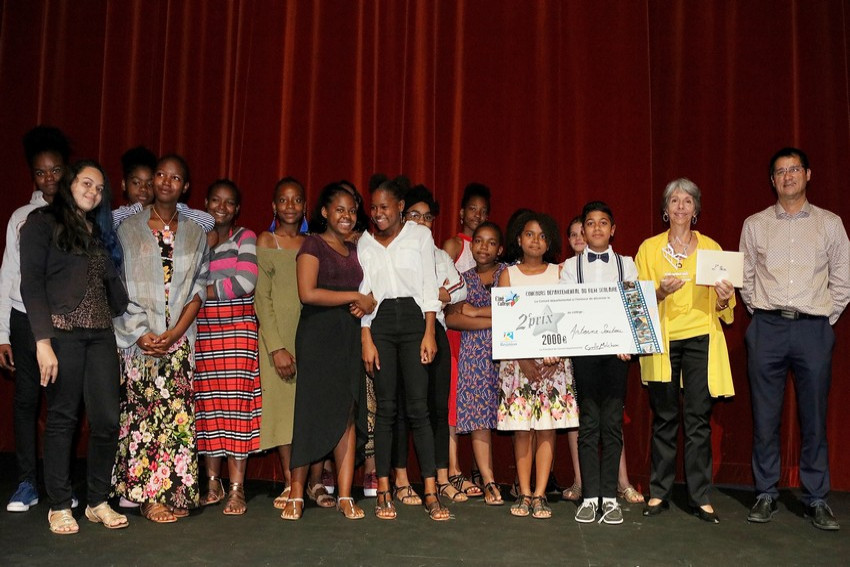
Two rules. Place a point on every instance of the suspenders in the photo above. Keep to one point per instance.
(580, 269)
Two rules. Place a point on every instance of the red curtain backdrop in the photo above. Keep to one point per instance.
(550, 103)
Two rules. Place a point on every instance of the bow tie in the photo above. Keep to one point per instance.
(592, 256)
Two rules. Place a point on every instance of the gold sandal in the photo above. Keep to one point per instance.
(280, 501)
(384, 507)
(215, 491)
(103, 514)
(630, 495)
(234, 504)
(573, 493)
(62, 522)
(353, 511)
(296, 511)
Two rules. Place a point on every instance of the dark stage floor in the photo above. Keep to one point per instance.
(479, 535)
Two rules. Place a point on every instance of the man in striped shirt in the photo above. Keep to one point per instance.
(796, 285)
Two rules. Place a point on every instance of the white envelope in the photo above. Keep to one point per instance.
(715, 265)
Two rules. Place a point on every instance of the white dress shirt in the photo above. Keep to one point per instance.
(449, 278)
(10, 272)
(405, 268)
(598, 271)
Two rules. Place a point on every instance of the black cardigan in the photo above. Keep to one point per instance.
(54, 281)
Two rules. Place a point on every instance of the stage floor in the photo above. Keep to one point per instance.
(480, 535)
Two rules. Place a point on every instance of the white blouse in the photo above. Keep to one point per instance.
(405, 268)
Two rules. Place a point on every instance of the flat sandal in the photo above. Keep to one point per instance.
(234, 504)
(384, 506)
(213, 495)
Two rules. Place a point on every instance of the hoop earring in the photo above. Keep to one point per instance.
(665, 217)
(694, 219)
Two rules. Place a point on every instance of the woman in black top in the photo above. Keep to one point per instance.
(71, 289)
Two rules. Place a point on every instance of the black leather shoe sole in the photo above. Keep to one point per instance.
(710, 517)
(656, 509)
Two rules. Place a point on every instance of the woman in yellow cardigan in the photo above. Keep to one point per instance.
(694, 351)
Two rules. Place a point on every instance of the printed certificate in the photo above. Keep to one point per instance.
(575, 320)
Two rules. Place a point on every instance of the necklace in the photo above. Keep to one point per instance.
(166, 226)
(675, 258)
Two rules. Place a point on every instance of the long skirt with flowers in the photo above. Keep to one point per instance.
(157, 460)
(549, 403)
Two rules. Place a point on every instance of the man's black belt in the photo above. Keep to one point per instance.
(789, 314)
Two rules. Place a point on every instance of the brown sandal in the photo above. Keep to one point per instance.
(234, 504)
(157, 512)
(319, 494)
(215, 491)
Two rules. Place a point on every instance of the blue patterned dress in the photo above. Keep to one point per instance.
(477, 374)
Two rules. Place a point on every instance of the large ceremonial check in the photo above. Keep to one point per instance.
(575, 320)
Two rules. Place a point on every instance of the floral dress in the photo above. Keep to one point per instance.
(477, 373)
(157, 460)
(549, 403)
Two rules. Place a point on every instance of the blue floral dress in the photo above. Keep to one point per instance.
(477, 373)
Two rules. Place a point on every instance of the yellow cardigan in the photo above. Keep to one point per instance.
(651, 265)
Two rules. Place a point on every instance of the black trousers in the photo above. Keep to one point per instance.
(439, 383)
(27, 396)
(397, 332)
(88, 372)
(775, 345)
(601, 391)
(688, 357)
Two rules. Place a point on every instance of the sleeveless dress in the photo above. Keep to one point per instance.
(278, 309)
(330, 385)
(464, 261)
(157, 461)
(228, 397)
(478, 375)
(547, 404)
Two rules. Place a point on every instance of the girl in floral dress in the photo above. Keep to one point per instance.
(165, 271)
(537, 395)
(478, 374)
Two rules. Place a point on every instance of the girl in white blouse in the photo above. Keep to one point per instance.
(399, 336)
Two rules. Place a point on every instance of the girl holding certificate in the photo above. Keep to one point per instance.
(536, 395)
(695, 362)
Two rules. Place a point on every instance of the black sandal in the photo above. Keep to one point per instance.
(458, 496)
(435, 507)
(540, 508)
(491, 489)
(457, 481)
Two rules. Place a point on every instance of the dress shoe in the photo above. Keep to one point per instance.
(763, 510)
(656, 509)
(822, 517)
(706, 516)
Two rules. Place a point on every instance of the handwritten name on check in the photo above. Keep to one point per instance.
(575, 320)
